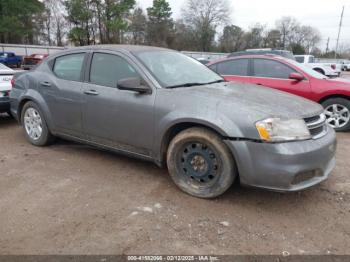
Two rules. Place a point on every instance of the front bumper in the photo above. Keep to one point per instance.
(289, 166)
(4, 104)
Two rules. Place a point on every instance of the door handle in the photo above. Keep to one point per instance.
(91, 92)
(259, 84)
(45, 83)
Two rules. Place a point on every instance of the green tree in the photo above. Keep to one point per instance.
(160, 24)
(79, 14)
(231, 39)
(138, 26)
(19, 21)
(115, 20)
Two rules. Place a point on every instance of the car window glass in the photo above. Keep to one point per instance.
(213, 67)
(237, 67)
(69, 67)
(108, 69)
(311, 59)
(299, 59)
(272, 69)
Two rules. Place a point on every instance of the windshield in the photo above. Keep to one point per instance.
(3, 55)
(307, 70)
(175, 69)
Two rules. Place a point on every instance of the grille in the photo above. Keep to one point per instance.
(316, 125)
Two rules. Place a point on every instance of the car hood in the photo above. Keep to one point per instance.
(261, 100)
(234, 103)
(338, 81)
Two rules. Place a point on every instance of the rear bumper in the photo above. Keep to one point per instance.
(285, 167)
(4, 104)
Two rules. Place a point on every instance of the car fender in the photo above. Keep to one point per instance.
(36, 97)
(221, 124)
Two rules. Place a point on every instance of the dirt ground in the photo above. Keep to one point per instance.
(73, 199)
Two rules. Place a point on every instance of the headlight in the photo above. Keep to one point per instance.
(278, 130)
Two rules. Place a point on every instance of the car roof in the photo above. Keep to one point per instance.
(269, 56)
(130, 48)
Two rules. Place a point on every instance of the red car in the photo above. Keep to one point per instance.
(30, 61)
(290, 76)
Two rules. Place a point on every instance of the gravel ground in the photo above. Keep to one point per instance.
(73, 199)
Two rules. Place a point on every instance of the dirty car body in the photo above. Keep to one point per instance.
(142, 118)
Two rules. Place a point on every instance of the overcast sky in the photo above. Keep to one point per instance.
(322, 14)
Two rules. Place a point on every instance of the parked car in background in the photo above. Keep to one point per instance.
(292, 77)
(345, 65)
(10, 59)
(203, 60)
(6, 75)
(30, 61)
(264, 51)
(160, 105)
(327, 69)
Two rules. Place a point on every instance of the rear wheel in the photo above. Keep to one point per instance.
(34, 124)
(337, 111)
(200, 163)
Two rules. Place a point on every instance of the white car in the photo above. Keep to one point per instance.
(6, 75)
(328, 69)
(345, 65)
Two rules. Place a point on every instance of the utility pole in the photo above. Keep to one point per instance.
(327, 48)
(340, 25)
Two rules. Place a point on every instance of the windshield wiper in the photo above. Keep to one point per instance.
(196, 84)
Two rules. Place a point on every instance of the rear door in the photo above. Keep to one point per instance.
(233, 70)
(275, 74)
(62, 89)
(118, 118)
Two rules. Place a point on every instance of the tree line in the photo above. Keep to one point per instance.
(204, 25)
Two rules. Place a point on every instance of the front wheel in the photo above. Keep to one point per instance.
(200, 163)
(34, 124)
(337, 111)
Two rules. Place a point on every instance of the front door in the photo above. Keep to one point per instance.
(274, 74)
(113, 117)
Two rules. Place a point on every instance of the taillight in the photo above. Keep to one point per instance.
(12, 82)
(333, 67)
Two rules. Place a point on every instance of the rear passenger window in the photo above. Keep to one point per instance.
(69, 67)
(108, 69)
(237, 67)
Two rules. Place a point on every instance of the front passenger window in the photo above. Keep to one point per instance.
(271, 69)
(108, 69)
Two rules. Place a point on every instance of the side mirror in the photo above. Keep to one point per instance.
(132, 84)
(296, 76)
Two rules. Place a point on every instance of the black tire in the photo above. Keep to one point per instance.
(338, 101)
(46, 137)
(320, 71)
(216, 172)
(18, 65)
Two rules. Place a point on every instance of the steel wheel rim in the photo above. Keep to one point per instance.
(33, 123)
(337, 115)
(199, 164)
